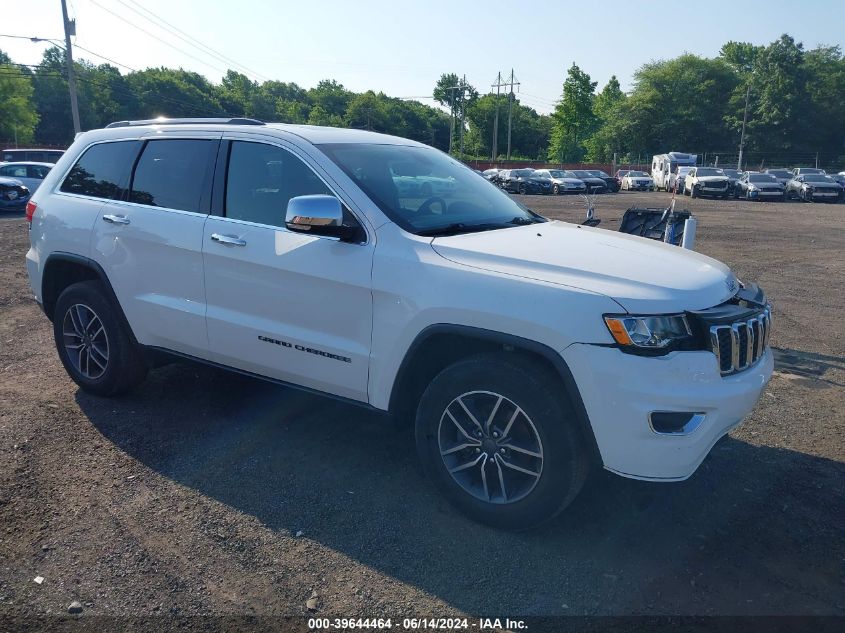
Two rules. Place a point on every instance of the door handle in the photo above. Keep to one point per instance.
(231, 240)
(115, 219)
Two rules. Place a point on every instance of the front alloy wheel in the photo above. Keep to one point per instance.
(490, 447)
(499, 438)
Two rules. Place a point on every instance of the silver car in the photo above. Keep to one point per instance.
(29, 173)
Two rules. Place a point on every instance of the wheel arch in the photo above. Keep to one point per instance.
(63, 269)
(440, 345)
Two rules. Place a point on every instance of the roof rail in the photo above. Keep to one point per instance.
(164, 121)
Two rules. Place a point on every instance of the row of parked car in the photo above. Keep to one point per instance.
(552, 181)
(802, 183)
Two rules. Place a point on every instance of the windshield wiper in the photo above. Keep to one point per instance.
(456, 228)
(521, 220)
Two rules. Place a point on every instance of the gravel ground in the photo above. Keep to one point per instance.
(209, 493)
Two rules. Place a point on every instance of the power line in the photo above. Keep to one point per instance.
(155, 37)
(106, 58)
(188, 39)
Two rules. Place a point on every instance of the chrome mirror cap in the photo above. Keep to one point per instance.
(313, 214)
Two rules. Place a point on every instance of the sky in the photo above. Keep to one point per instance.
(402, 48)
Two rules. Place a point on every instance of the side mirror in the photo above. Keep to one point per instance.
(318, 215)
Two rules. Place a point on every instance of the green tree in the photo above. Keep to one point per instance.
(574, 119)
(367, 111)
(780, 103)
(680, 104)
(606, 108)
(740, 55)
(173, 93)
(331, 97)
(18, 116)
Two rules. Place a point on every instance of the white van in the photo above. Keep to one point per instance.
(664, 165)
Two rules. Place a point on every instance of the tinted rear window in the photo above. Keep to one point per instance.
(103, 170)
(172, 173)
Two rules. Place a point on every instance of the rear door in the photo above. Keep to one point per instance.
(150, 241)
(293, 307)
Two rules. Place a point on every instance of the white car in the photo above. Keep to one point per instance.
(561, 182)
(523, 350)
(707, 181)
(29, 173)
(637, 181)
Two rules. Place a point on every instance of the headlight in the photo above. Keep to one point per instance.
(648, 332)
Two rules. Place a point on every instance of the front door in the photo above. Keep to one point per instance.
(293, 307)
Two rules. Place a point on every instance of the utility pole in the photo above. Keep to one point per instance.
(463, 112)
(510, 107)
(742, 134)
(498, 85)
(70, 29)
(452, 120)
(463, 87)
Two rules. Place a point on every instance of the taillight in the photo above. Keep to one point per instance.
(30, 210)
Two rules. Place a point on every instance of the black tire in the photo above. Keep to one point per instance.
(522, 382)
(521, 190)
(124, 366)
(556, 189)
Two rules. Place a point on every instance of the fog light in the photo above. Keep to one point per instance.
(674, 422)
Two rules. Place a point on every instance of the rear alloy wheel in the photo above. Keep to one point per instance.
(521, 189)
(500, 442)
(556, 189)
(93, 343)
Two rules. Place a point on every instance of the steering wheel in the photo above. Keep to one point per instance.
(425, 207)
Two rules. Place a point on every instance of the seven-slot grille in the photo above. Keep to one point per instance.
(739, 345)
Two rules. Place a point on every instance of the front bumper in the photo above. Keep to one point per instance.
(621, 390)
(19, 204)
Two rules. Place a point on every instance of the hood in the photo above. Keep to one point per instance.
(642, 275)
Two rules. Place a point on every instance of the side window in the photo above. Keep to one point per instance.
(14, 171)
(37, 171)
(102, 171)
(261, 180)
(172, 173)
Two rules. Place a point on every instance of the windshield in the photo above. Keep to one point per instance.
(425, 191)
(522, 173)
(637, 174)
(580, 173)
(683, 171)
(733, 173)
(709, 171)
(780, 173)
(761, 178)
(816, 178)
(557, 173)
(598, 174)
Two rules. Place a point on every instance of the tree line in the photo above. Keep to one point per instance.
(791, 99)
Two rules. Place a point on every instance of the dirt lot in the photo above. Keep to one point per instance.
(209, 493)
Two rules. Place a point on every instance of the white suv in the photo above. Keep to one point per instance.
(523, 350)
(707, 181)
